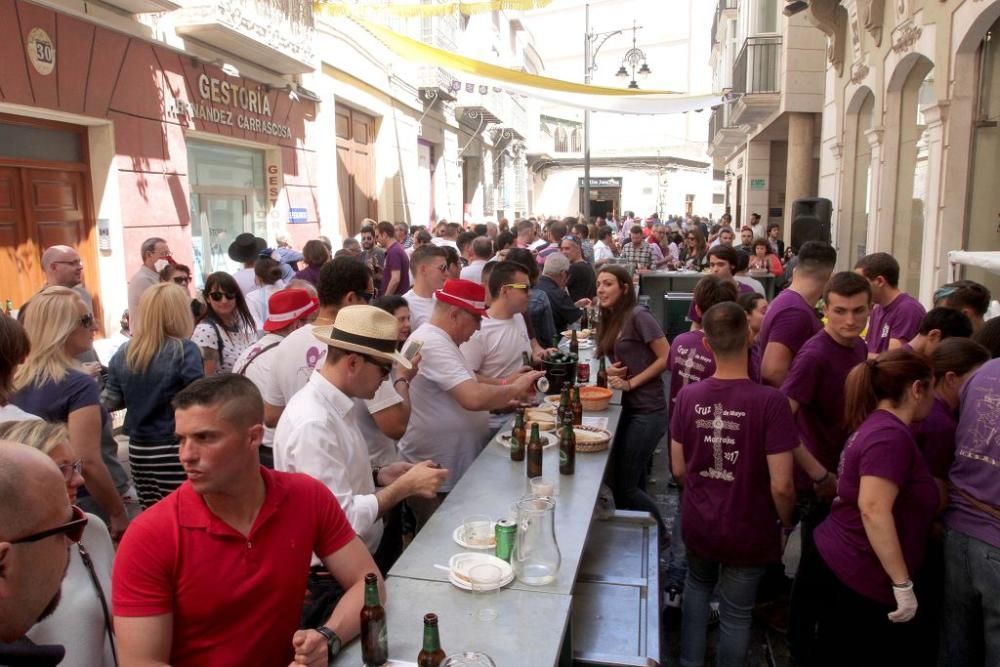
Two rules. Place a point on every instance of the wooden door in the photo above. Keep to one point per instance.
(355, 168)
(15, 259)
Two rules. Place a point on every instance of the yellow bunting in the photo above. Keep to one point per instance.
(406, 10)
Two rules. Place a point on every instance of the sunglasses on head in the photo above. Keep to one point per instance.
(218, 296)
(72, 529)
(87, 321)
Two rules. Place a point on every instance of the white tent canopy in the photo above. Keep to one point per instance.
(989, 260)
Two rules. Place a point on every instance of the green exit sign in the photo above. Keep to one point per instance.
(758, 183)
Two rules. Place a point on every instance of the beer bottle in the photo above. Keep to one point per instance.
(431, 654)
(517, 438)
(602, 374)
(577, 407)
(374, 637)
(567, 451)
(534, 466)
(574, 345)
(564, 404)
(585, 320)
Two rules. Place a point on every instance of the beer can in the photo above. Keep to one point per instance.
(583, 372)
(506, 533)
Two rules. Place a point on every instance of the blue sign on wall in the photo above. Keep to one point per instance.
(298, 215)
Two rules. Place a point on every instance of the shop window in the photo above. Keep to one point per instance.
(561, 140)
(40, 143)
(576, 143)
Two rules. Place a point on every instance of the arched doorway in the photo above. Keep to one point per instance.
(857, 191)
(982, 231)
(915, 94)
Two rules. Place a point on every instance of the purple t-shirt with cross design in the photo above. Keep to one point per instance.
(882, 447)
(900, 320)
(935, 436)
(789, 321)
(816, 382)
(689, 361)
(727, 429)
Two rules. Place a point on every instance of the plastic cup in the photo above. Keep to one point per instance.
(484, 580)
(542, 487)
(477, 530)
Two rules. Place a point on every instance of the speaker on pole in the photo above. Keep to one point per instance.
(811, 220)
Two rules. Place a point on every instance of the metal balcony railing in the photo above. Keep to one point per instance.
(756, 70)
(720, 120)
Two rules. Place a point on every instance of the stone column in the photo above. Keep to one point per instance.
(800, 175)
(878, 239)
(931, 251)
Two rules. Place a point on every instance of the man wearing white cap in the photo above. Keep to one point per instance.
(449, 407)
(288, 309)
(318, 433)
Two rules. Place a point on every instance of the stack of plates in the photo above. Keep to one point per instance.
(461, 564)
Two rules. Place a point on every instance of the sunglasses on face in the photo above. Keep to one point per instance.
(181, 280)
(72, 529)
(218, 296)
(386, 369)
(87, 321)
(520, 286)
(70, 470)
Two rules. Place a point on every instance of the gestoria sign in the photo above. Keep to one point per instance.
(220, 91)
(234, 96)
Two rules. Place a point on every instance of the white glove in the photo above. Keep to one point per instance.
(906, 603)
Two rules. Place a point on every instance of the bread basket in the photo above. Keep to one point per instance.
(595, 399)
(591, 438)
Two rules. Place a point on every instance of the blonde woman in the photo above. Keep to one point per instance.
(52, 385)
(143, 376)
(82, 621)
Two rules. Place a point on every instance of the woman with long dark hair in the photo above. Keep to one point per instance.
(875, 538)
(632, 339)
(694, 252)
(227, 328)
(268, 273)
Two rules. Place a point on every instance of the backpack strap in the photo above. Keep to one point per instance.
(250, 359)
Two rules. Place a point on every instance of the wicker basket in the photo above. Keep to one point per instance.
(596, 445)
(595, 399)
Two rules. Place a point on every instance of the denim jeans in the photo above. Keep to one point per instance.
(737, 594)
(677, 553)
(971, 630)
(638, 435)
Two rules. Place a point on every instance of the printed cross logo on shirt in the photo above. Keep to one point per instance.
(719, 426)
(689, 364)
(988, 410)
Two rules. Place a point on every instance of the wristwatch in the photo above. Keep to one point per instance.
(332, 641)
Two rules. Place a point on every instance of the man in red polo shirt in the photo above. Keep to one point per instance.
(215, 573)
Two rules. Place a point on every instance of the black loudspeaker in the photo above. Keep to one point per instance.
(811, 220)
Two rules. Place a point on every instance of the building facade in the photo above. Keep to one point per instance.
(910, 138)
(116, 126)
(764, 138)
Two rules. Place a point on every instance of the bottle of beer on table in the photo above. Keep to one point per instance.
(517, 438)
(585, 320)
(602, 375)
(574, 345)
(374, 637)
(431, 654)
(534, 466)
(564, 404)
(567, 451)
(576, 407)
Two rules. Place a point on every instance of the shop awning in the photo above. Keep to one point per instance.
(989, 260)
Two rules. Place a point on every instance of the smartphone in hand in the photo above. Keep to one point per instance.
(413, 349)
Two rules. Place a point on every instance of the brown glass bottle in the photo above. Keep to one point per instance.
(576, 406)
(602, 375)
(534, 467)
(518, 438)
(574, 345)
(431, 654)
(374, 636)
(567, 451)
(564, 404)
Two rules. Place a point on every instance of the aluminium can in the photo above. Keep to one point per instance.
(506, 533)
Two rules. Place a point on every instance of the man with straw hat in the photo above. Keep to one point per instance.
(449, 407)
(318, 433)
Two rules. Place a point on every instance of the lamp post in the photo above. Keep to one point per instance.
(633, 57)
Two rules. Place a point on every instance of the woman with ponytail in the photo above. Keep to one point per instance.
(875, 538)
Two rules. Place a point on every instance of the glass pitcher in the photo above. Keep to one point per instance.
(536, 553)
(468, 659)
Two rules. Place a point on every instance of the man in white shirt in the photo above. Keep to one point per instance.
(482, 251)
(758, 227)
(318, 432)
(155, 251)
(429, 265)
(449, 421)
(498, 352)
(343, 282)
(602, 249)
(289, 309)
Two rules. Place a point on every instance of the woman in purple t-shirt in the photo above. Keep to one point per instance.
(632, 338)
(875, 538)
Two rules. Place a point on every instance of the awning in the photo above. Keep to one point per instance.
(989, 260)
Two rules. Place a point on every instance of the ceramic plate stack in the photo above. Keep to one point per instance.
(461, 564)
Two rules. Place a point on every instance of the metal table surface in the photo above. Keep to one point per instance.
(527, 631)
(490, 486)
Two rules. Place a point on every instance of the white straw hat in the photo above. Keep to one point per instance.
(366, 330)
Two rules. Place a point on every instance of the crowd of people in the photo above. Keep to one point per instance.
(294, 423)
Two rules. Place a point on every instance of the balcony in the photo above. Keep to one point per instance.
(276, 34)
(757, 79)
(144, 6)
(723, 134)
(720, 9)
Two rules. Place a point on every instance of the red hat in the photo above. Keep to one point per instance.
(465, 294)
(287, 305)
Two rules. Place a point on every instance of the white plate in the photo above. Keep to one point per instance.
(463, 562)
(459, 536)
(550, 440)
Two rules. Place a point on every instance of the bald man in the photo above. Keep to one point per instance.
(36, 529)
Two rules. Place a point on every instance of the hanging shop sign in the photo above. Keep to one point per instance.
(598, 182)
(233, 104)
